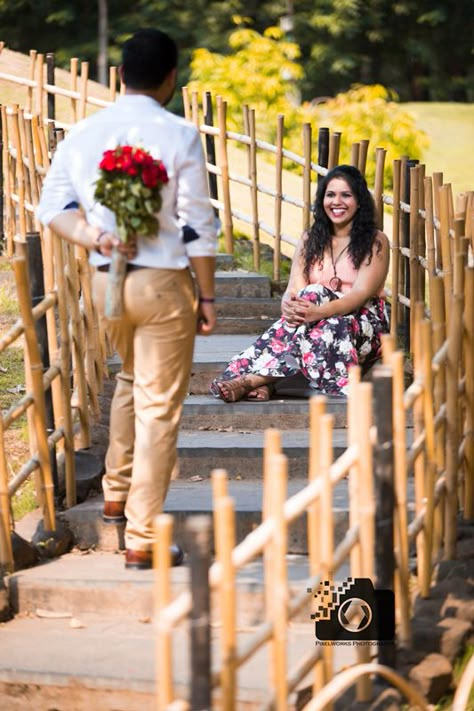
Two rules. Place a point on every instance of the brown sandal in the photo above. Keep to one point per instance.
(262, 394)
(237, 389)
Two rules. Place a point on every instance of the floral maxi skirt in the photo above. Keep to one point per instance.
(323, 351)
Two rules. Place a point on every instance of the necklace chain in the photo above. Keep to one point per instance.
(335, 282)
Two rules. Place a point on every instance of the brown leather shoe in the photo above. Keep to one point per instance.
(143, 560)
(114, 512)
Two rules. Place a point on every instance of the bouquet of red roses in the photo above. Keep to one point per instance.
(130, 185)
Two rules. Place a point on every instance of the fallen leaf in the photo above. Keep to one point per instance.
(76, 624)
(144, 620)
(196, 477)
(51, 614)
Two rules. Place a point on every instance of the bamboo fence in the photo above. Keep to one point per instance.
(432, 276)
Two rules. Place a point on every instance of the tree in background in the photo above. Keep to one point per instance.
(260, 71)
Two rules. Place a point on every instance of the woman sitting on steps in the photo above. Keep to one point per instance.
(333, 311)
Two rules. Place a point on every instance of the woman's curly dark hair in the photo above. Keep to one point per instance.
(364, 228)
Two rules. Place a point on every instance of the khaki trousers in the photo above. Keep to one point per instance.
(154, 339)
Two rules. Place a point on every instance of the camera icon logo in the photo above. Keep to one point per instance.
(354, 610)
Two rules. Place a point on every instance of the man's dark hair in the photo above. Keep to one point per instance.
(147, 58)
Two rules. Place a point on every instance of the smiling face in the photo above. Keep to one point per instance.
(339, 203)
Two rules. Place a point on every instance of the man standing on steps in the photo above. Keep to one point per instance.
(155, 335)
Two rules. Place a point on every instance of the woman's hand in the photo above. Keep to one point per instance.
(305, 312)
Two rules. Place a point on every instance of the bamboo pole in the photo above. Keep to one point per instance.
(430, 228)
(186, 104)
(317, 407)
(430, 451)
(77, 350)
(9, 207)
(31, 76)
(195, 108)
(363, 150)
(307, 142)
(380, 154)
(437, 183)
(414, 269)
(224, 544)
(334, 145)
(20, 172)
(421, 250)
(161, 599)
(90, 334)
(445, 245)
(278, 197)
(39, 86)
(355, 154)
(402, 596)
(469, 370)
(326, 530)
(7, 562)
(279, 465)
(73, 86)
(388, 347)
(366, 506)
(83, 89)
(353, 425)
(112, 83)
(224, 166)
(39, 413)
(254, 189)
(396, 256)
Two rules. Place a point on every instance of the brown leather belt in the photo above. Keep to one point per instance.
(128, 268)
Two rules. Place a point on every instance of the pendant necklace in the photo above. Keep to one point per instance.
(335, 282)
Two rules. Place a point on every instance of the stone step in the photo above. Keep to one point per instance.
(240, 324)
(230, 307)
(242, 284)
(240, 451)
(189, 498)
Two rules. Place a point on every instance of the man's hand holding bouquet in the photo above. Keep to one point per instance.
(130, 185)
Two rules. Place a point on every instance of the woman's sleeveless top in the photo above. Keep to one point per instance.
(345, 271)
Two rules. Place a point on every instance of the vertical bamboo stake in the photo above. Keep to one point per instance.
(445, 245)
(186, 104)
(306, 176)
(317, 407)
(454, 353)
(366, 505)
(429, 226)
(254, 190)
(355, 154)
(9, 207)
(224, 165)
(469, 368)
(401, 513)
(29, 95)
(380, 154)
(112, 83)
(414, 269)
(421, 231)
(279, 464)
(437, 183)
(430, 449)
(396, 256)
(91, 342)
(278, 197)
(326, 530)
(83, 89)
(363, 150)
(224, 544)
(43, 145)
(354, 473)
(388, 347)
(20, 172)
(73, 87)
(334, 144)
(77, 345)
(161, 599)
(39, 413)
(39, 86)
(195, 108)
(6, 551)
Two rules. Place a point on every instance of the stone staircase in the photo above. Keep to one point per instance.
(81, 637)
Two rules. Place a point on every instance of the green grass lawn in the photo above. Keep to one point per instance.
(450, 127)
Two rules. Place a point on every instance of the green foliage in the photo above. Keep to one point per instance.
(364, 112)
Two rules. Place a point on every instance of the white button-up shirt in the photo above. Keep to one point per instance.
(136, 119)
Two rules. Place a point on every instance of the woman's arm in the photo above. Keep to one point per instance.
(297, 279)
(370, 279)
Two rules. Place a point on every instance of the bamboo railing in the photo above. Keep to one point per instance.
(432, 270)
